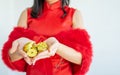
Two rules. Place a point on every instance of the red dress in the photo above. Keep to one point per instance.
(49, 24)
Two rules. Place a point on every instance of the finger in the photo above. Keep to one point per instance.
(28, 60)
(22, 53)
(42, 57)
(42, 54)
(53, 48)
(14, 47)
(50, 40)
(34, 61)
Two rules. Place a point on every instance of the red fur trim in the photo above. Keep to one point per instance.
(22, 32)
(79, 40)
(15, 34)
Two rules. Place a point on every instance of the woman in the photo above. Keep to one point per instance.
(61, 27)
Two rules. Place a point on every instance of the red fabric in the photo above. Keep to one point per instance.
(50, 22)
(75, 38)
(42, 67)
(61, 66)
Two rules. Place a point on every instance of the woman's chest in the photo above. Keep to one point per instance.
(51, 23)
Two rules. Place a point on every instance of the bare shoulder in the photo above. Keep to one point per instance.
(22, 22)
(78, 20)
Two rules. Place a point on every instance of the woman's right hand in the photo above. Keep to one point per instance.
(16, 52)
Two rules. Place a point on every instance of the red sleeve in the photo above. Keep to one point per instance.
(17, 65)
(80, 41)
(18, 32)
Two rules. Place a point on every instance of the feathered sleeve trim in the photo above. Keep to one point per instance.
(17, 32)
(78, 39)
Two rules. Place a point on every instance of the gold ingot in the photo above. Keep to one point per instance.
(28, 46)
(32, 52)
(42, 46)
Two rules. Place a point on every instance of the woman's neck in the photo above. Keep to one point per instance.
(51, 1)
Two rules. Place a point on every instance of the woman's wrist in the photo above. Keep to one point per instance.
(59, 48)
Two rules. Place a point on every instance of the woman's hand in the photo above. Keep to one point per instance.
(53, 45)
(17, 53)
(52, 48)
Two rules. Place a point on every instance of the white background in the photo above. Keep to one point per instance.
(101, 19)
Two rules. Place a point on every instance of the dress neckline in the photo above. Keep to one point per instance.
(52, 6)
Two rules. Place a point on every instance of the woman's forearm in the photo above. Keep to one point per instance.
(69, 54)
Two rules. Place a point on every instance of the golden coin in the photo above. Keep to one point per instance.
(28, 46)
(32, 52)
(42, 46)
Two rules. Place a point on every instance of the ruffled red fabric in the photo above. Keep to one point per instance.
(15, 34)
(75, 38)
(80, 41)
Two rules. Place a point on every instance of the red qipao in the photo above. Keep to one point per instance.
(50, 24)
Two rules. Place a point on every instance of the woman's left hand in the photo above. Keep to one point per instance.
(53, 45)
